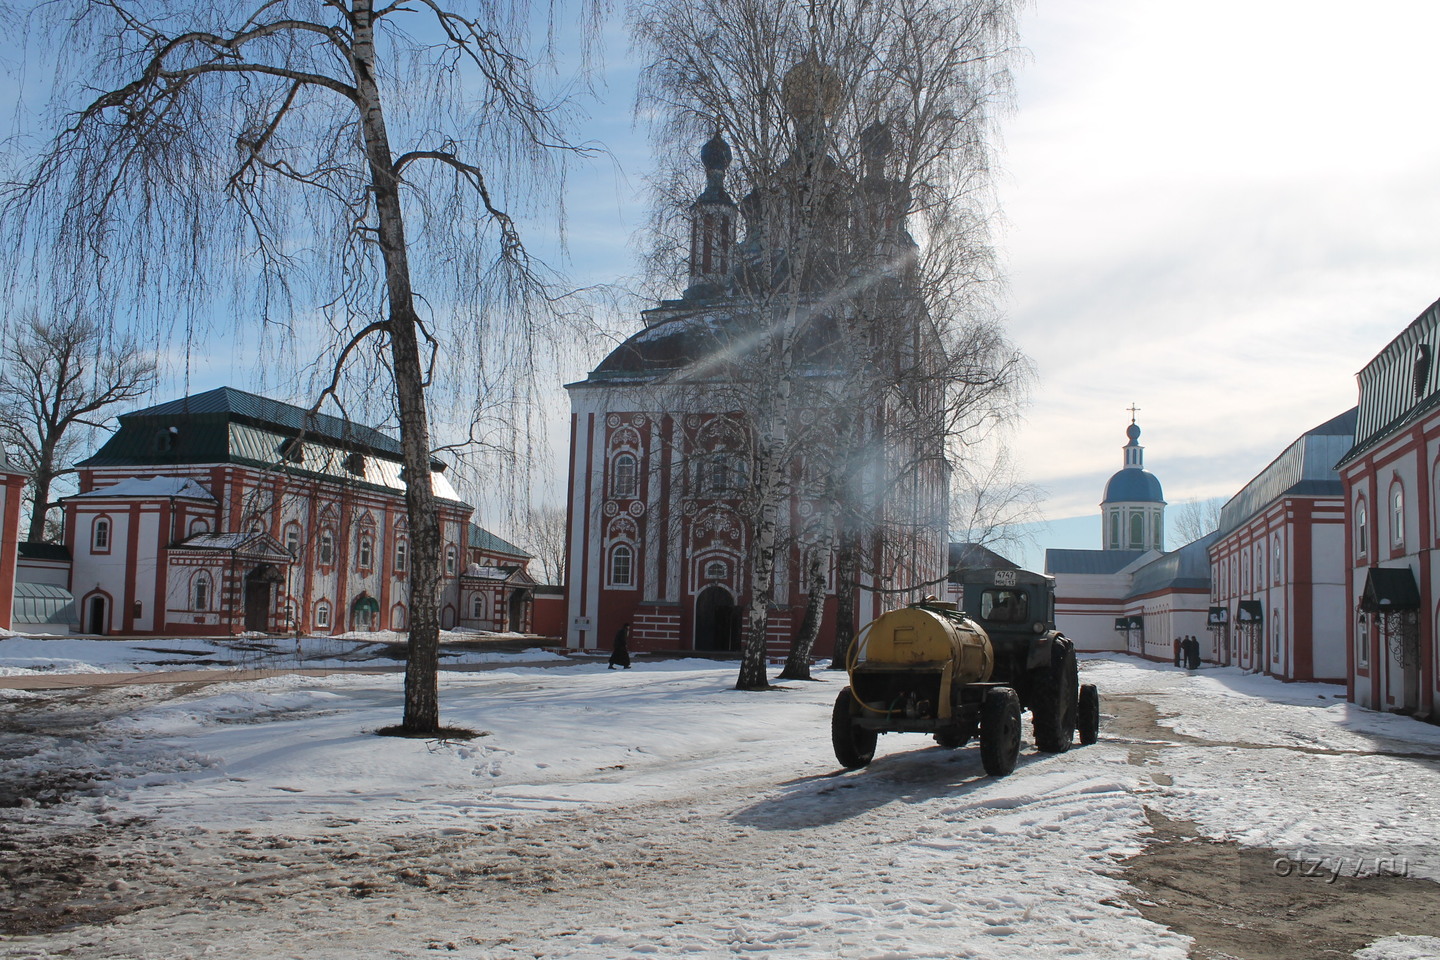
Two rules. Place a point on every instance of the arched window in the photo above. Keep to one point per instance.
(1362, 640)
(327, 547)
(199, 525)
(292, 540)
(365, 553)
(322, 614)
(1276, 564)
(1114, 529)
(477, 607)
(715, 570)
(200, 591)
(1397, 515)
(623, 482)
(1362, 529)
(1159, 520)
(402, 555)
(1259, 565)
(397, 617)
(621, 562)
(451, 556)
(100, 535)
(1137, 531)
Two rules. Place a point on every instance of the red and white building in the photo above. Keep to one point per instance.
(227, 512)
(1391, 479)
(1277, 567)
(12, 487)
(659, 469)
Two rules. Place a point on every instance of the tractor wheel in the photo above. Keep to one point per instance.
(1088, 714)
(854, 747)
(1000, 730)
(1055, 695)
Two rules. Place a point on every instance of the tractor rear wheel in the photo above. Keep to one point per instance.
(1055, 693)
(854, 747)
(1088, 714)
(1000, 730)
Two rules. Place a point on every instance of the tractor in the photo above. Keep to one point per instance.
(933, 667)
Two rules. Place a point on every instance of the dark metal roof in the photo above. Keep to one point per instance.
(1185, 568)
(1389, 590)
(237, 405)
(45, 551)
(197, 429)
(482, 539)
(1090, 561)
(1305, 468)
(974, 556)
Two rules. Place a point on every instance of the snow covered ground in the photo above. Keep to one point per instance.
(26, 656)
(658, 812)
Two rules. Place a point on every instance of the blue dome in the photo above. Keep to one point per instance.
(1133, 486)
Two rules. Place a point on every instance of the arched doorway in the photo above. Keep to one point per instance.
(364, 613)
(95, 618)
(717, 620)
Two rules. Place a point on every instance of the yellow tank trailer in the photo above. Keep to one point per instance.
(932, 668)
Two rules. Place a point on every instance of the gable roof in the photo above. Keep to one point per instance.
(1090, 561)
(482, 539)
(1305, 468)
(1185, 568)
(150, 488)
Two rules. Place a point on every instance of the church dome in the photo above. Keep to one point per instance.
(1133, 486)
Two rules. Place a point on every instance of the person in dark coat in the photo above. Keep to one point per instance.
(620, 652)
(1192, 653)
(1179, 650)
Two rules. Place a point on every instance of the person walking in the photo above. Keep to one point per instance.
(620, 650)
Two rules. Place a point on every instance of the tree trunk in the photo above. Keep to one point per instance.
(797, 664)
(40, 485)
(422, 701)
(847, 570)
(762, 575)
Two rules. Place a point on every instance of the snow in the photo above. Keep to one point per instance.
(25, 656)
(659, 812)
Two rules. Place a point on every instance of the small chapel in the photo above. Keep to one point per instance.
(1131, 595)
(662, 477)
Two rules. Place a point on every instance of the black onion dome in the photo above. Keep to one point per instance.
(715, 154)
(876, 141)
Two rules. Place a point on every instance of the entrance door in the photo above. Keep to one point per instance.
(257, 606)
(717, 620)
(96, 620)
(517, 610)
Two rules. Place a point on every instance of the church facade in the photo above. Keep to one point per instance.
(663, 480)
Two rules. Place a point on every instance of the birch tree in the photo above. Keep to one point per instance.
(848, 118)
(334, 161)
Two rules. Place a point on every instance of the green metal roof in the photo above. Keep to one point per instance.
(482, 539)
